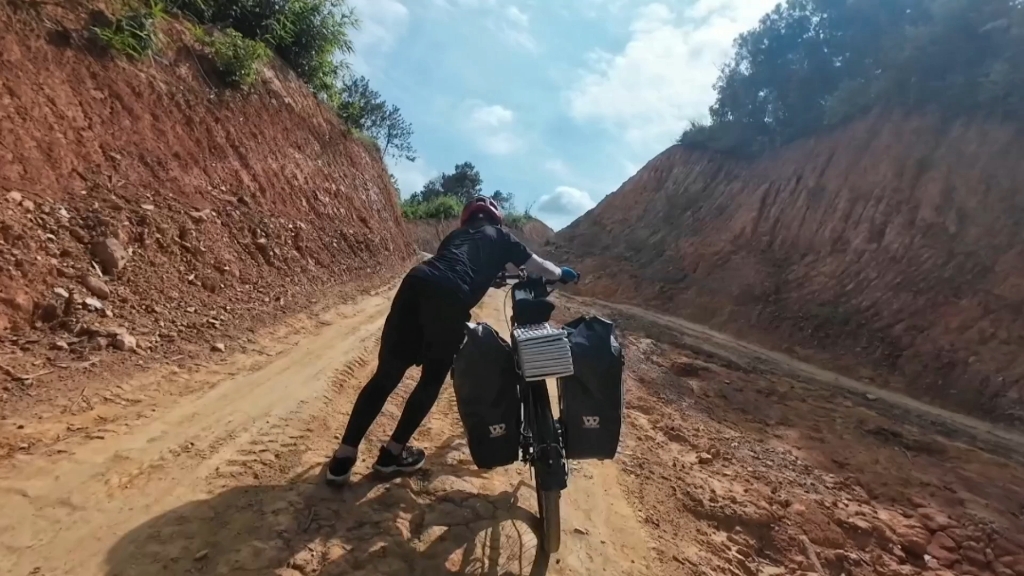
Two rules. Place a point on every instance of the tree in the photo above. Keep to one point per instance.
(358, 101)
(506, 200)
(809, 64)
(431, 189)
(394, 134)
(443, 196)
(363, 109)
(463, 184)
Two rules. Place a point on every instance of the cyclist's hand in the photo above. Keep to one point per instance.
(569, 276)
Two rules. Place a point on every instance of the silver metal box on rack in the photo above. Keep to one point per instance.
(543, 352)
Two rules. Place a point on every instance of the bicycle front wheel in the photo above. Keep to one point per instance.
(549, 470)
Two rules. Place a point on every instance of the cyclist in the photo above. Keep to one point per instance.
(426, 327)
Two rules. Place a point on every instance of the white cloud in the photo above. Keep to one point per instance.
(520, 39)
(562, 206)
(516, 16)
(565, 201)
(412, 176)
(514, 26)
(490, 116)
(664, 75)
(381, 22)
(598, 182)
(493, 128)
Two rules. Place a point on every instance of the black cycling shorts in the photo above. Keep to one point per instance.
(426, 321)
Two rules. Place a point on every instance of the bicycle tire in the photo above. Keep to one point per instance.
(549, 508)
(548, 501)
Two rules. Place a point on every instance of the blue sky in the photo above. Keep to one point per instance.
(556, 101)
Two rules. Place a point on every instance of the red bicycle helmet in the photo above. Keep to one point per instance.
(482, 205)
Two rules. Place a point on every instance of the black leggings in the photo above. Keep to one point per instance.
(426, 326)
(375, 394)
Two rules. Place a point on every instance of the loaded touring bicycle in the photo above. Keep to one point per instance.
(503, 399)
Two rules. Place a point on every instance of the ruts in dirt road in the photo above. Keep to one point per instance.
(228, 481)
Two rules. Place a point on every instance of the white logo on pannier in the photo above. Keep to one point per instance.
(497, 430)
(591, 422)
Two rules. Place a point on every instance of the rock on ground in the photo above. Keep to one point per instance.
(125, 342)
(110, 254)
(96, 287)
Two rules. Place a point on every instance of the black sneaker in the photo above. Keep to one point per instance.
(410, 460)
(339, 470)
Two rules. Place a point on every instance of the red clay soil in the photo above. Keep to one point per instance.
(145, 214)
(888, 250)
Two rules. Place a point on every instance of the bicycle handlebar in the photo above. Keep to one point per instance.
(520, 276)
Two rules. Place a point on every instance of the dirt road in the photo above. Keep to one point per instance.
(226, 480)
(733, 462)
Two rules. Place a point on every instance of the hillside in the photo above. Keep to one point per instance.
(143, 209)
(427, 234)
(889, 248)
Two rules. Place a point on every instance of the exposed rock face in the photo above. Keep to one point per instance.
(892, 246)
(130, 190)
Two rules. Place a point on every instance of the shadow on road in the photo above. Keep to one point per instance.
(433, 523)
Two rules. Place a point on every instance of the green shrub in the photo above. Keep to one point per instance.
(134, 33)
(238, 59)
(447, 207)
(440, 207)
(517, 219)
(310, 35)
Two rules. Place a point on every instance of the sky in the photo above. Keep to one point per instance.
(556, 101)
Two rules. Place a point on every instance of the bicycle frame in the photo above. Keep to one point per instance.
(545, 454)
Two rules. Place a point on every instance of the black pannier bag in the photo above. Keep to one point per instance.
(592, 400)
(487, 393)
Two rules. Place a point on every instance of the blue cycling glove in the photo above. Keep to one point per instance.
(569, 276)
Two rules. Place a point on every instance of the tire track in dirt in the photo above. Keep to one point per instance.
(229, 482)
